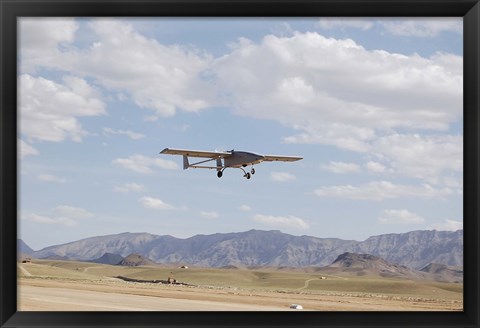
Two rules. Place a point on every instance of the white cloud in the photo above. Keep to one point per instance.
(299, 69)
(63, 215)
(400, 217)
(144, 164)
(49, 110)
(304, 80)
(341, 167)
(40, 219)
(434, 159)
(48, 220)
(331, 91)
(155, 203)
(341, 135)
(209, 215)
(282, 221)
(422, 27)
(328, 23)
(161, 78)
(72, 212)
(51, 178)
(448, 225)
(336, 92)
(129, 187)
(245, 208)
(417, 27)
(132, 135)
(25, 149)
(43, 41)
(380, 190)
(376, 167)
(430, 158)
(282, 176)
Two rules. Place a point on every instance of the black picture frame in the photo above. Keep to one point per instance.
(11, 10)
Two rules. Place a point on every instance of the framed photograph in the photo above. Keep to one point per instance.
(223, 163)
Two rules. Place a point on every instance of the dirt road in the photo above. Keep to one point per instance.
(116, 295)
(33, 298)
(24, 271)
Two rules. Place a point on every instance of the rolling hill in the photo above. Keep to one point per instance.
(135, 260)
(108, 258)
(443, 272)
(366, 264)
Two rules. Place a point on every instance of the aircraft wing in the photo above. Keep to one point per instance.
(274, 158)
(196, 153)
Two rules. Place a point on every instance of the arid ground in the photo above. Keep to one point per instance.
(48, 285)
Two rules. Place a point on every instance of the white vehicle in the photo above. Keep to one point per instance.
(296, 307)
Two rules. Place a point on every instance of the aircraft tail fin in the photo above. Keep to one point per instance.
(186, 165)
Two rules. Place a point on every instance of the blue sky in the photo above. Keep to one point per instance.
(373, 105)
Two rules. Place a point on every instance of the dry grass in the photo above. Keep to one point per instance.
(266, 284)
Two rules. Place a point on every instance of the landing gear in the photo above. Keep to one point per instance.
(247, 175)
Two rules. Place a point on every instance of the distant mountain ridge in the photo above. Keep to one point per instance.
(23, 248)
(414, 249)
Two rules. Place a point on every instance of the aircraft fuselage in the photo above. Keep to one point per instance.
(242, 159)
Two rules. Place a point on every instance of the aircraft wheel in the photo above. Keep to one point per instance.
(247, 175)
(253, 170)
(219, 174)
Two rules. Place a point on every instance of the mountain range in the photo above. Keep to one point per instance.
(415, 249)
(24, 248)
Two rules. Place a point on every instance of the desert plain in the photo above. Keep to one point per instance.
(54, 285)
